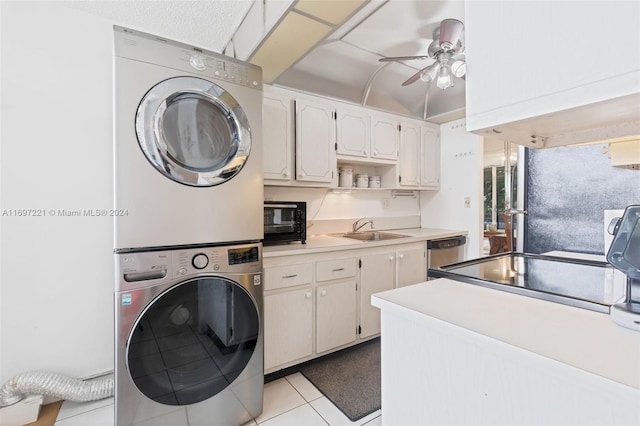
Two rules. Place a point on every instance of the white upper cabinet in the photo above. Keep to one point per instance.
(315, 142)
(306, 139)
(430, 170)
(409, 172)
(277, 135)
(384, 136)
(353, 132)
(550, 73)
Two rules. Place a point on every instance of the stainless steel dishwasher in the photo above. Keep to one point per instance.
(445, 251)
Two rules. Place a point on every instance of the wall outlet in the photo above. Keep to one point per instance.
(385, 203)
(467, 202)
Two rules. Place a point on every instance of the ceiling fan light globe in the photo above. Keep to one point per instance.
(444, 79)
(459, 68)
(430, 73)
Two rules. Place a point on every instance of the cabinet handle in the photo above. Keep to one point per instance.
(337, 270)
(290, 276)
(375, 153)
(286, 173)
(301, 175)
(364, 151)
(323, 293)
(390, 258)
(307, 295)
(401, 256)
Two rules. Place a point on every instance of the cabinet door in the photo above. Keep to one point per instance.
(377, 274)
(430, 158)
(288, 326)
(412, 265)
(315, 142)
(409, 174)
(352, 126)
(384, 137)
(335, 315)
(277, 137)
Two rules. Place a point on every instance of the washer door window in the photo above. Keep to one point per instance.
(193, 131)
(192, 341)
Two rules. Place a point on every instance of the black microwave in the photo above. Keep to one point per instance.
(285, 221)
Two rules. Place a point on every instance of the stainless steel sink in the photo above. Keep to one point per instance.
(371, 236)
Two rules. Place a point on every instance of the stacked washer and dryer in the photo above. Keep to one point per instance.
(188, 196)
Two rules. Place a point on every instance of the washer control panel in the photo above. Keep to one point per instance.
(217, 259)
(140, 269)
(200, 261)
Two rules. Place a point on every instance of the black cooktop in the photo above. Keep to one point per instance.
(575, 282)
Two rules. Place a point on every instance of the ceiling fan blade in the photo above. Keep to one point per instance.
(414, 77)
(402, 58)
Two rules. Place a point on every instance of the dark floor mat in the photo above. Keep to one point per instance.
(349, 378)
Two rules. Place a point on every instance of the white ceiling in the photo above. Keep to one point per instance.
(342, 65)
(338, 67)
(208, 24)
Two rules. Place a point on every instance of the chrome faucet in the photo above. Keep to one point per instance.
(512, 213)
(357, 227)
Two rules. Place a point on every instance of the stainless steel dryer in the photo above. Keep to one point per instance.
(188, 144)
(189, 336)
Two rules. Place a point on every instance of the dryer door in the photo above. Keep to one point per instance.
(193, 131)
(192, 341)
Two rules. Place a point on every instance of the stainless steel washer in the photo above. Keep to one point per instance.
(189, 336)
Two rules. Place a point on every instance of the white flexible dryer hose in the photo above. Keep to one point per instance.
(57, 386)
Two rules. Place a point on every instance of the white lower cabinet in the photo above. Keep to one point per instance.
(309, 307)
(318, 303)
(411, 264)
(335, 315)
(386, 269)
(378, 273)
(288, 320)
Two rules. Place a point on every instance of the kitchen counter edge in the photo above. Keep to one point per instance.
(328, 243)
(578, 337)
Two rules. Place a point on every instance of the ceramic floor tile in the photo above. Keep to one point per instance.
(308, 391)
(103, 416)
(279, 397)
(335, 417)
(303, 415)
(375, 422)
(70, 408)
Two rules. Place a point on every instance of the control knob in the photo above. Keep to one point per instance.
(200, 261)
(198, 62)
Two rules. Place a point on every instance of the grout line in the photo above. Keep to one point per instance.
(300, 393)
(320, 414)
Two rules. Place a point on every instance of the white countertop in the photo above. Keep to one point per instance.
(584, 339)
(324, 243)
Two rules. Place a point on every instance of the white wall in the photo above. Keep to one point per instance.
(57, 272)
(461, 160)
(323, 203)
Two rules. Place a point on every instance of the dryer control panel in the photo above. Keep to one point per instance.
(145, 47)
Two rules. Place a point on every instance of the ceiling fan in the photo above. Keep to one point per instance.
(446, 50)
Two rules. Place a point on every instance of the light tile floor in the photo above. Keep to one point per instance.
(289, 401)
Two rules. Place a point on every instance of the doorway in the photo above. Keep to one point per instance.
(500, 178)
